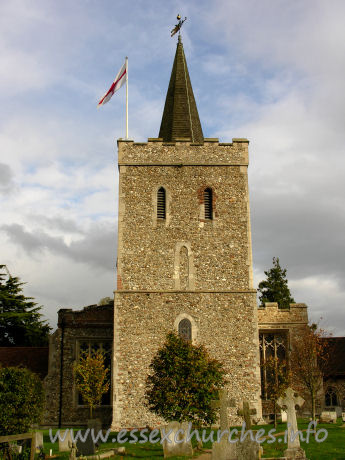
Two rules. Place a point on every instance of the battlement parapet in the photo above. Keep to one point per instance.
(183, 152)
(271, 314)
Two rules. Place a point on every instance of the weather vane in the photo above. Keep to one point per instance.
(178, 25)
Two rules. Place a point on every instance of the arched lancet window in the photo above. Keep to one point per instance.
(185, 329)
(331, 397)
(184, 268)
(161, 203)
(208, 204)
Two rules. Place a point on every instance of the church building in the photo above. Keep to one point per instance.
(184, 253)
(184, 264)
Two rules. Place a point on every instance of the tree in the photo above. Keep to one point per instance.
(275, 287)
(21, 402)
(309, 361)
(277, 380)
(92, 378)
(105, 301)
(20, 318)
(183, 382)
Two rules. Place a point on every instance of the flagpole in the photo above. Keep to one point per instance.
(126, 97)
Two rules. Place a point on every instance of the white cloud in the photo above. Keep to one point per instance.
(269, 71)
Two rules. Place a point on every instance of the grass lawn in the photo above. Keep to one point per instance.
(333, 448)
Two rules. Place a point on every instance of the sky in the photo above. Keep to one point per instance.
(270, 71)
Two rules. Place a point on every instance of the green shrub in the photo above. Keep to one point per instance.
(21, 400)
(184, 380)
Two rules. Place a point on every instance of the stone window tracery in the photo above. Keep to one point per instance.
(331, 398)
(92, 346)
(272, 344)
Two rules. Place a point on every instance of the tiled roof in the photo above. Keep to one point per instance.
(180, 116)
(33, 358)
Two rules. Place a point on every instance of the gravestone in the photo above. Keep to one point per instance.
(222, 404)
(223, 450)
(15, 448)
(338, 410)
(73, 452)
(39, 441)
(182, 447)
(284, 415)
(64, 446)
(95, 424)
(343, 416)
(290, 400)
(328, 417)
(85, 446)
(247, 449)
(246, 412)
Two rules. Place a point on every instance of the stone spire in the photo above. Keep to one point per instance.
(180, 116)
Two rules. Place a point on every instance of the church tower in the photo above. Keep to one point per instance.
(184, 254)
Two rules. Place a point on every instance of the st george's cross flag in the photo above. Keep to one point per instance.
(119, 81)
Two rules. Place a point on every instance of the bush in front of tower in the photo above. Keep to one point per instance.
(184, 380)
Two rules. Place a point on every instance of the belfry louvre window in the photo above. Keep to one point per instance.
(208, 204)
(161, 203)
(185, 329)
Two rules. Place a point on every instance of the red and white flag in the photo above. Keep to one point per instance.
(119, 81)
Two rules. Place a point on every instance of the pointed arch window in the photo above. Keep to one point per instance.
(161, 204)
(272, 345)
(208, 204)
(185, 329)
(88, 347)
(184, 268)
(331, 398)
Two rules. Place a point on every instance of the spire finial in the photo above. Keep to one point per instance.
(178, 26)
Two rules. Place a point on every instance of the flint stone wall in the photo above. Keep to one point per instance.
(155, 151)
(224, 323)
(220, 248)
(218, 298)
(94, 323)
(292, 320)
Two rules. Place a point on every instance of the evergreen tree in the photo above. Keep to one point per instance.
(275, 287)
(20, 318)
(183, 382)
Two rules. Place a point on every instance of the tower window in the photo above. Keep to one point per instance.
(208, 204)
(161, 203)
(185, 329)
